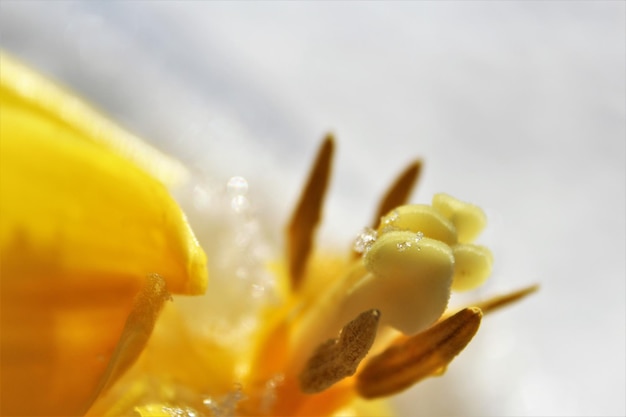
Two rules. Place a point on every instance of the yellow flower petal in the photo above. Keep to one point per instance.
(23, 87)
(91, 208)
(81, 229)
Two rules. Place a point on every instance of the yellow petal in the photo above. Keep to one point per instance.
(88, 208)
(81, 229)
(23, 87)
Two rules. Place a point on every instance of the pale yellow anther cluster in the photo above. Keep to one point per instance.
(410, 264)
(422, 252)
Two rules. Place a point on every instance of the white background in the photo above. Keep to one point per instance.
(519, 107)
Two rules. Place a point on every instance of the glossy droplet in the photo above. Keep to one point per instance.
(387, 223)
(226, 405)
(402, 246)
(365, 240)
(388, 220)
(419, 218)
(237, 186)
(240, 204)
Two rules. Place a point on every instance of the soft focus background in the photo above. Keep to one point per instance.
(519, 107)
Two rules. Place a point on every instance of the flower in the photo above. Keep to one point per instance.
(93, 248)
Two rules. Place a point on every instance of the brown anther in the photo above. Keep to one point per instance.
(399, 192)
(307, 214)
(417, 357)
(339, 358)
(137, 330)
(503, 300)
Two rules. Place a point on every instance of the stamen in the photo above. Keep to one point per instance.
(307, 214)
(399, 192)
(468, 219)
(364, 240)
(412, 359)
(419, 218)
(497, 302)
(472, 266)
(137, 329)
(339, 358)
(409, 285)
(409, 282)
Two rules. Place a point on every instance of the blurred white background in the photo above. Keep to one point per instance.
(519, 107)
